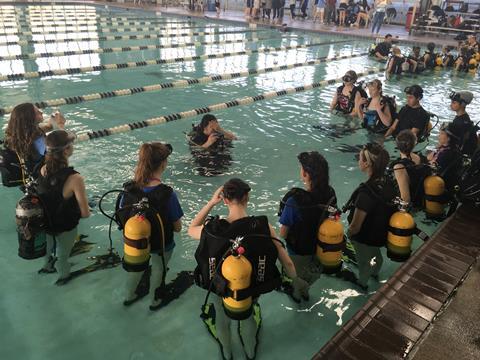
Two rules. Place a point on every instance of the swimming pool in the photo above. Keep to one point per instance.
(86, 318)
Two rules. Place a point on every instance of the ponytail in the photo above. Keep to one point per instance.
(150, 157)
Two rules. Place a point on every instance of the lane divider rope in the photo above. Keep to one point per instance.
(90, 135)
(125, 37)
(129, 65)
(161, 30)
(109, 24)
(179, 83)
(32, 56)
(85, 23)
(27, 19)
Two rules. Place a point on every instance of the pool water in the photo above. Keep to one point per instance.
(85, 319)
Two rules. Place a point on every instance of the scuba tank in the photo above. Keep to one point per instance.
(472, 65)
(136, 237)
(237, 270)
(439, 62)
(31, 221)
(434, 187)
(330, 242)
(400, 233)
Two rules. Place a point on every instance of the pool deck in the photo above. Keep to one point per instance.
(398, 31)
(428, 309)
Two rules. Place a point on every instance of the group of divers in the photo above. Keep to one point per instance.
(464, 58)
(237, 254)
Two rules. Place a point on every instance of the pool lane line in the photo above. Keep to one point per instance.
(32, 56)
(24, 19)
(129, 65)
(126, 37)
(90, 135)
(161, 30)
(87, 22)
(77, 99)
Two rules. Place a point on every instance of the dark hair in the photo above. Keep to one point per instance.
(416, 48)
(454, 133)
(406, 141)
(57, 142)
(388, 36)
(316, 166)
(350, 76)
(431, 46)
(235, 189)
(150, 157)
(206, 119)
(415, 90)
(378, 157)
(22, 130)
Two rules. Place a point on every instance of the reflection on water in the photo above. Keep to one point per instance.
(212, 162)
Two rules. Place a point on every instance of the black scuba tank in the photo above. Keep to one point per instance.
(30, 219)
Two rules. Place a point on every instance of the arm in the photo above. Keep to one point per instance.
(357, 221)
(359, 107)
(228, 134)
(334, 102)
(57, 120)
(391, 129)
(403, 180)
(284, 231)
(196, 226)
(177, 225)
(78, 189)
(384, 114)
(285, 260)
(212, 139)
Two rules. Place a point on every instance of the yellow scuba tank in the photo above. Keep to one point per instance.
(136, 237)
(477, 57)
(330, 243)
(237, 270)
(439, 62)
(434, 187)
(400, 232)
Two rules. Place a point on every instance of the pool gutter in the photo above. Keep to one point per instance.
(395, 320)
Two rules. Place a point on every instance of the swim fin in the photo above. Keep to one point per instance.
(174, 289)
(349, 254)
(257, 316)
(106, 261)
(208, 317)
(345, 148)
(80, 246)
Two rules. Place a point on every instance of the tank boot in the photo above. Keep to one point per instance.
(49, 267)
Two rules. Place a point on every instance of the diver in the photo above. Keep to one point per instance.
(382, 50)
(369, 212)
(468, 130)
(260, 252)
(348, 95)
(396, 63)
(410, 170)
(302, 211)
(24, 147)
(429, 56)
(415, 61)
(447, 59)
(164, 214)
(412, 115)
(62, 192)
(447, 158)
(378, 110)
(209, 133)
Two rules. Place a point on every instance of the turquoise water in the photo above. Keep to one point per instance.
(85, 319)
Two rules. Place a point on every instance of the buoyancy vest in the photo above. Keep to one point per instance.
(371, 119)
(62, 214)
(302, 236)
(375, 226)
(16, 170)
(416, 176)
(346, 104)
(158, 207)
(397, 64)
(259, 250)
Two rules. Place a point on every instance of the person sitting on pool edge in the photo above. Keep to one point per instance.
(209, 133)
(302, 211)
(382, 50)
(261, 250)
(396, 63)
(348, 95)
(412, 115)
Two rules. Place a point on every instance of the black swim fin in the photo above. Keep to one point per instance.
(345, 148)
(208, 317)
(174, 289)
(106, 261)
(80, 246)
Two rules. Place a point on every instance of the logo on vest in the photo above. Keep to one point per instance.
(211, 267)
(261, 268)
